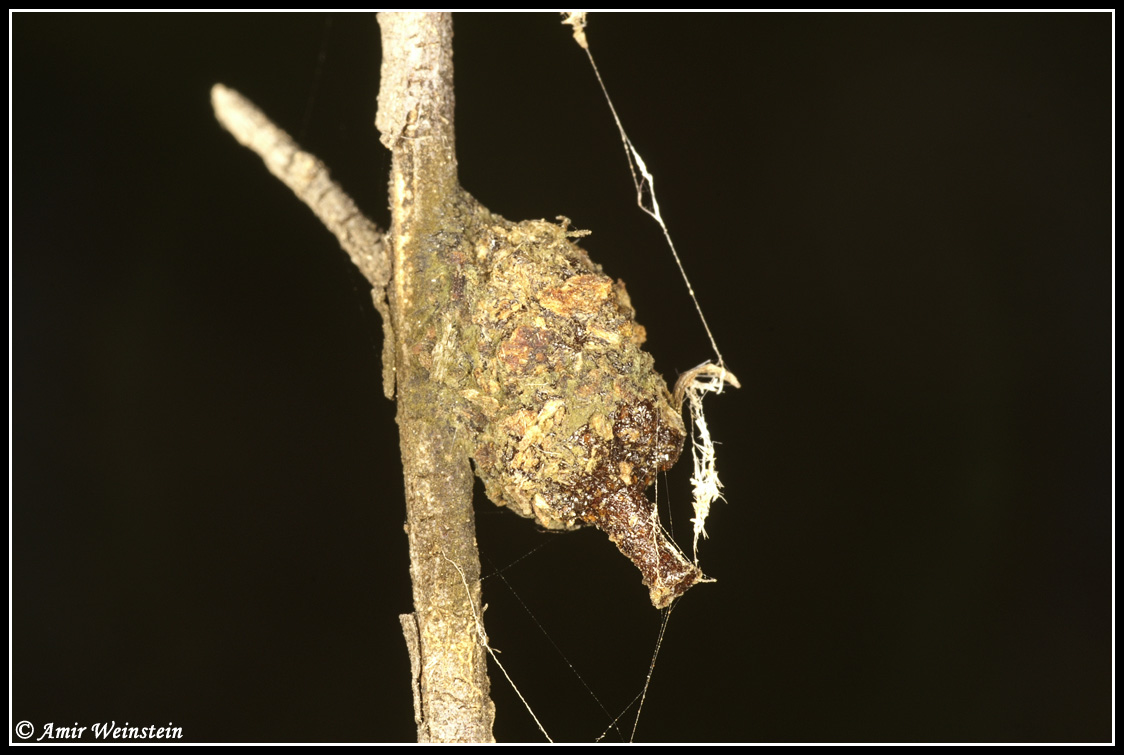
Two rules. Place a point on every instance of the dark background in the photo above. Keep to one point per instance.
(898, 225)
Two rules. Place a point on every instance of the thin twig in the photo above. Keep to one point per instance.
(309, 179)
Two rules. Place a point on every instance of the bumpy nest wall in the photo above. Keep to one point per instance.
(573, 421)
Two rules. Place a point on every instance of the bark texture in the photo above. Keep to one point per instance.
(429, 214)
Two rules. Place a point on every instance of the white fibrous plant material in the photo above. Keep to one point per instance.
(707, 488)
(707, 377)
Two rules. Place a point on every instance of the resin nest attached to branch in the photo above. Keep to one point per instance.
(574, 422)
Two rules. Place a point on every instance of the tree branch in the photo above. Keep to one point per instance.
(430, 212)
(308, 178)
(429, 216)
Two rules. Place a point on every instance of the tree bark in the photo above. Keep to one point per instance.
(429, 213)
(431, 219)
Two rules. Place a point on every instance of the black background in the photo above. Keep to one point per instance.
(898, 226)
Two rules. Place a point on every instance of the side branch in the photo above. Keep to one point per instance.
(309, 180)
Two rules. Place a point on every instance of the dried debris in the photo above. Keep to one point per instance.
(571, 420)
